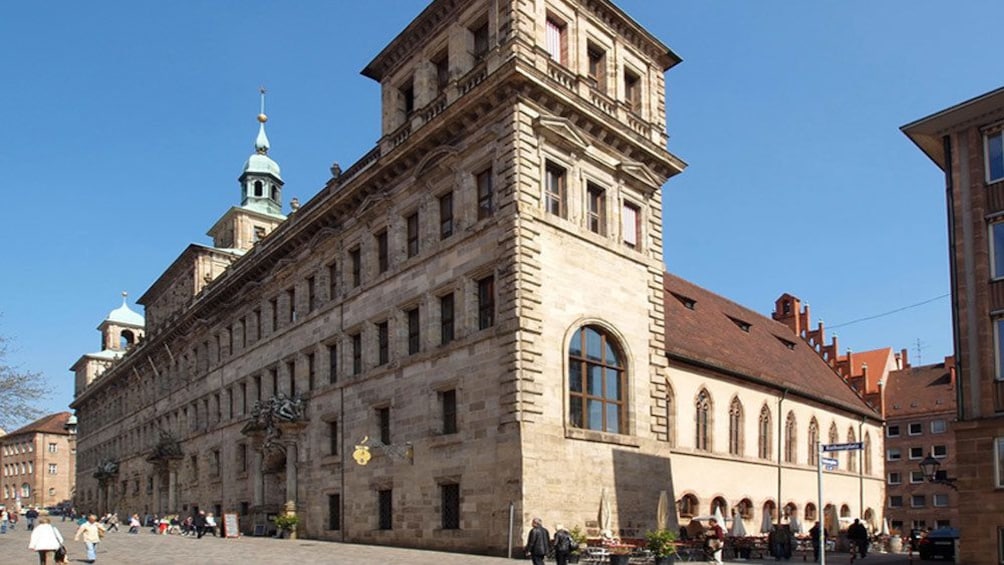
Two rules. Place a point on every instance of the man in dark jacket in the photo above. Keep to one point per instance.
(199, 523)
(858, 534)
(538, 542)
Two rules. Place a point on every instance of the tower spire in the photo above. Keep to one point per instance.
(261, 143)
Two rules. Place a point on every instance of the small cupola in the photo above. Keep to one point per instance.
(261, 181)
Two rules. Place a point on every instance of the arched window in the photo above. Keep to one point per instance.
(736, 427)
(763, 434)
(852, 455)
(813, 449)
(845, 511)
(25, 491)
(722, 505)
(834, 434)
(688, 506)
(791, 511)
(259, 189)
(768, 510)
(670, 415)
(745, 509)
(790, 439)
(597, 381)
(275, 193)
(702, 407)
(810, 512)
(126, 339)
(868, 453)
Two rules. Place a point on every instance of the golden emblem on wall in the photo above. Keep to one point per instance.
(362, 453)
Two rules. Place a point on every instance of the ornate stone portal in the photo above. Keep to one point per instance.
(165, 457)
(106, 471)
(274, 428)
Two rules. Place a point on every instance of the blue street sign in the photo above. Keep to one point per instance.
(844, 446)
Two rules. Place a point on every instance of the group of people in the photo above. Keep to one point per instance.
(198, 524)
(48, 542)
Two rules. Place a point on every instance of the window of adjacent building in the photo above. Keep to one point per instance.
(596, 203)
(892, 430)
(383, 343)
(915, 429)
(485, 193)
(555, 41)
(479, 33)
(383, 261)
(938, 426)
(790, 439)
(735, 427)
(917, 501)
(356, 264)
(895, 501)
(383, 420)
(442, 63)
(997, 250)
(52, 448)
(764, 434)
(332, 364)
(893, 454)
(597, 381)
(916, 453)
(939, 451)
(446, 319)
(333, 512)
(386, 510)
(357, 353)
(895, 478)
(446, 215)
(939, 500)
(630, 225)
(52, 468)
(554, 189)
(411, 223)
(995, 156)
(333, 438)
(448, 405)
(486, 302)
(597, 66)
(450, 500)
(332, 280)
(916, 477)
(414, 331)
(632, 90)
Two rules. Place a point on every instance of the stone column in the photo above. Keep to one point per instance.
(258, 478)
(172, 489)
(291, 453)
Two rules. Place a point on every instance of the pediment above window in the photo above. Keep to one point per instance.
(640, 173)
(560, 132)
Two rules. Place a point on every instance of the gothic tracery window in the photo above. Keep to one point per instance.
(736, 427)
(790, 439)
(813, 448)
(764, 437)
(702, 440)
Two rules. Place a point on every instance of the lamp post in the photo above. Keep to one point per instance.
(929, 467)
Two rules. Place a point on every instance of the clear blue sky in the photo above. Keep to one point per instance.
(126, 124)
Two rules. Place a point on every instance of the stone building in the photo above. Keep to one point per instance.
(465, 328)
(966, 141)
(38, 462)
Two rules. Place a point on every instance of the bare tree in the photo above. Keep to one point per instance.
(20, 392)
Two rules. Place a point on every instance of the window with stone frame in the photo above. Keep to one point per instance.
(332, 363)
(383, 252)
(446, 215)
(813, 440)
(356, 264)
(311, 294)
(764, 446)
(736, 427)
(556, 40)
(790, 439)
(333, 437)
(555, 189)
(357, 353)
(412, 233)
(383, 422)
(486, 206)
(631, 225)
(446, 319)
(479, 39)
(311, 371)
(486, 302)
(596, 204)
(385, 510)
(383, 343)
(702, 429)
(867, 456)
(448, 410)
(441, 61)
(334, 511)
(597, 381)
(632, 90)
(450, 505)
(414, 331)
(597, 71)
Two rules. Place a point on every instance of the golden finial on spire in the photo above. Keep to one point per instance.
(261, 116)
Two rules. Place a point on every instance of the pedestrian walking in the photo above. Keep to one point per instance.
(45, 540)
(538, 542)
(31, 515)
(563, 545)
(134, 524)
(91, 533)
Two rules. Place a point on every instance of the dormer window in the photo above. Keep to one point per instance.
(744, 326)
(687, 302)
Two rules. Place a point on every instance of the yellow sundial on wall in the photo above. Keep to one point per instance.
(362, 453)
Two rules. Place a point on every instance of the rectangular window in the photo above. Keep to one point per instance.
(311, 294)
(274, 306)
(596, 214)
(597, 66)
(334, 511)
(291, 297)
(383, 343)
(892, 431)
(915, 429)
(386, 510)
(939, 451)
(244, 397)
(485, 194)
(997, 250)
(408, 97)
(999, 348)
(383, 419)
(256, 316)
(257, 387)
(448, 403)
(554, 187)
(479, 33)
(916, 477)
(52, 468)
(995, 156)
(446, 215)
(273, 375)
(414, 331)
(893, 454)
(632, 91)
(486, 302)
(412, 229)
(938, 426)
(446, 319)
(52, 448)
(383, 262)
(332, 364)
(916, 453)
(215, 461)
(333, 438)
(917, 501)
(356, 263)
(357, 353)
(895, 478)
(442, 64)
(630, 225)
(895, 501)
(332, 280)
(242, 457)
(450, 506)
(555, 40)
(291, 377)
(311, 372)
(939, 500)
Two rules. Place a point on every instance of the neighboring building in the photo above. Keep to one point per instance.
(470, 323)
(920, 421)
(967, 142)
(755, 398)
(38, 462)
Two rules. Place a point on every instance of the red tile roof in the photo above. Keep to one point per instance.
(718, 333)
(920, 390)
(877, 360)
(51, 424)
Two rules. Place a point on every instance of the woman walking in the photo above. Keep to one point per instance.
(91, 532)
(45, 539)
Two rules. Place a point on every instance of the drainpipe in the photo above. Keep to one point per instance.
(780, 452)
(861, 475)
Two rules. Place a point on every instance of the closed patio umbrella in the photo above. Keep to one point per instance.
(604, 512)
(885, 527)
(767, 525)
(718, 516)
(738, 527)
(662, 511)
